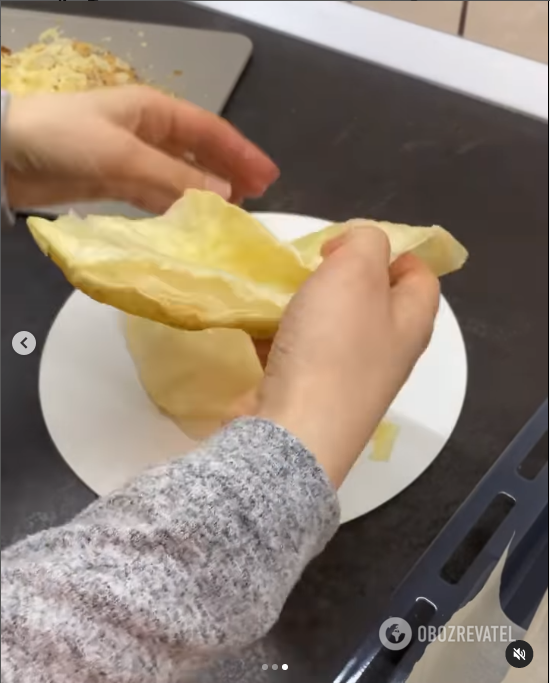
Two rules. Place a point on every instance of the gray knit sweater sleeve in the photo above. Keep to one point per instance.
(193, 557)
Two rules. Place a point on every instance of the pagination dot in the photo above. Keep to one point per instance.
(265, 667)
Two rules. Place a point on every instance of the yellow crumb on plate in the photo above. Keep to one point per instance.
(383, 441)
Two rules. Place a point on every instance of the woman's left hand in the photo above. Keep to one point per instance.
(132, 144)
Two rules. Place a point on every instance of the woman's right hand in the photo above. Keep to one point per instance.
(347, 343)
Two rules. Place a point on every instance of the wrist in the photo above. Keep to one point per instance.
(335, 439)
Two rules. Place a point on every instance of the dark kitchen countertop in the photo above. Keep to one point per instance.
(352, 139)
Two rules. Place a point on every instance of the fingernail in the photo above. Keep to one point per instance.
(268, 182)
(258, 189)
(219, 186)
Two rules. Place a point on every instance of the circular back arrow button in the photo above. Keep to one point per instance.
(23, 343)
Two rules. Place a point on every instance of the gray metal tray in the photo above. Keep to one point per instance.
(210, 62)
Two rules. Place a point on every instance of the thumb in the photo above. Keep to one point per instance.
(153, 180)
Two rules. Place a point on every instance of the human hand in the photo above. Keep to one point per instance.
(131, 144)
(347, 343)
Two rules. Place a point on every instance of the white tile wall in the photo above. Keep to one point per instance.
(443, 15)
(519, 26)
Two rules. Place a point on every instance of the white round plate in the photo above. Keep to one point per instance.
(107, 429)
